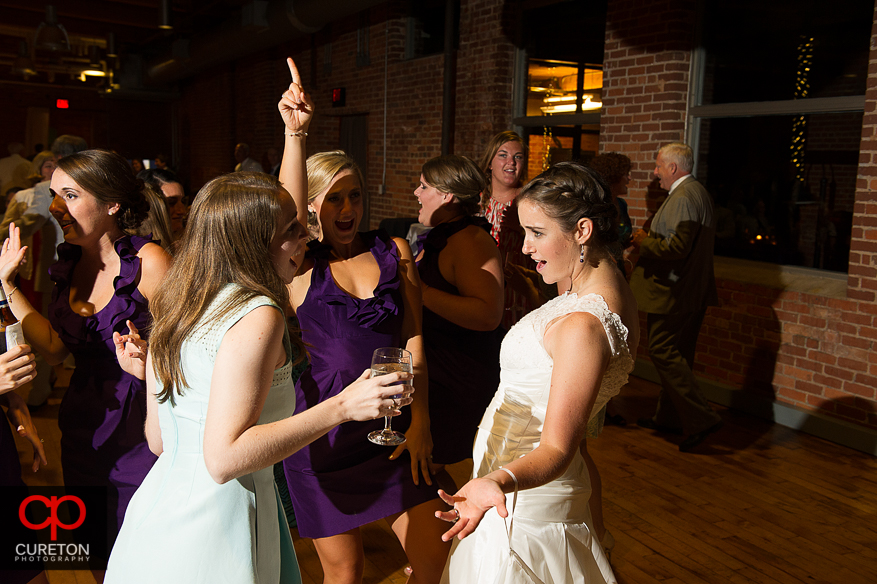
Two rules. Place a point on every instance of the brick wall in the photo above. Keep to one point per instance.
(485, 68)
(207, 147)
(645, 87)
(857, 325)
(809, 351)
(239, 103)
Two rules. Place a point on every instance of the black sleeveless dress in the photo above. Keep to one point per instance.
(463, 364)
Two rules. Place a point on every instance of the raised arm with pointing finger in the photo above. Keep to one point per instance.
(354, 292)
(296, 109)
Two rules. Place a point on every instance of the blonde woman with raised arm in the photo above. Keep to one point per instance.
(355, 292)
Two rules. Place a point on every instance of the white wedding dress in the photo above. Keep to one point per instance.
(546, 539)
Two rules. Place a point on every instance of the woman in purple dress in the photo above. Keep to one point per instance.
(355, 292)
(461, 281)
(104, 279)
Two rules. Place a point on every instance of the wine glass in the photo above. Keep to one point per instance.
(389, 360)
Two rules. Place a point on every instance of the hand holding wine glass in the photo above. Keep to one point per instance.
(369, 398)
(388, 360)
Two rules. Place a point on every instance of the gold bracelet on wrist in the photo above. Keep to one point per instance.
(296, 134)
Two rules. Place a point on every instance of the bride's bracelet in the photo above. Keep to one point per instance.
(511, 474)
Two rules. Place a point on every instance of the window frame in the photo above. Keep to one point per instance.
(696, 112)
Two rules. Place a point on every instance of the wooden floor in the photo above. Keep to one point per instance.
(756, 503)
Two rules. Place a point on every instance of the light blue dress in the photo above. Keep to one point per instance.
(181, 526)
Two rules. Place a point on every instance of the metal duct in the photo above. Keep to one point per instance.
(244, 34)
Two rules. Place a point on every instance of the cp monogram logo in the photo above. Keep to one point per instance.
(53, 521)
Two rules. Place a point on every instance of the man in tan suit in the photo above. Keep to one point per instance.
(674, 282)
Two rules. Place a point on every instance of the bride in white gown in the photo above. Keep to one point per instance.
(524, 516)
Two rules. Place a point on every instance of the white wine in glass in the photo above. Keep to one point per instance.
(389, 360)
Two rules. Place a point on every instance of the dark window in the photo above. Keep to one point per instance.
(561, 102)
(777, 119)
(764, 211)
(754, 49)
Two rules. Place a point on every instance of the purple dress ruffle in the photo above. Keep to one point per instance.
(104, 409)
(341, 480)
(463, 364)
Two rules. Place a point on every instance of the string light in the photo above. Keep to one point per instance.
(802, 89)
(547, 139)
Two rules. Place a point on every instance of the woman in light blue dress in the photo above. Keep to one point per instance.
(220, 397)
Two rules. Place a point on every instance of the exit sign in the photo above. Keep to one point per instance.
(339, 97)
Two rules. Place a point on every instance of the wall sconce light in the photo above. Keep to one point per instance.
(111, 45)
(95, 66)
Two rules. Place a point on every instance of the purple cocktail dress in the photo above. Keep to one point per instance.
(463, 364)
(104, 409)
(341, 480)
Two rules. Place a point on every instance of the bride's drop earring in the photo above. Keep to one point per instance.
(582, 255)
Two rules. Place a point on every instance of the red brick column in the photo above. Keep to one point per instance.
(645, 86)
(485, 68)
(863, 262)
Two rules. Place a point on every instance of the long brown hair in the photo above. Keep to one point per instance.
(490, 152)
(158, 222)
(233, 221)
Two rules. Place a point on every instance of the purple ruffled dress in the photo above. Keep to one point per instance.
(342, 481)
(104, 409)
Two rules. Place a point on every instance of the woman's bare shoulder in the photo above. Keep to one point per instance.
(473, 239)
(154, 262)
(301, 283)
(153, 253)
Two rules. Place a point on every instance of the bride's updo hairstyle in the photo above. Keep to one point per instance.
(568, 191)
(109, 178)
